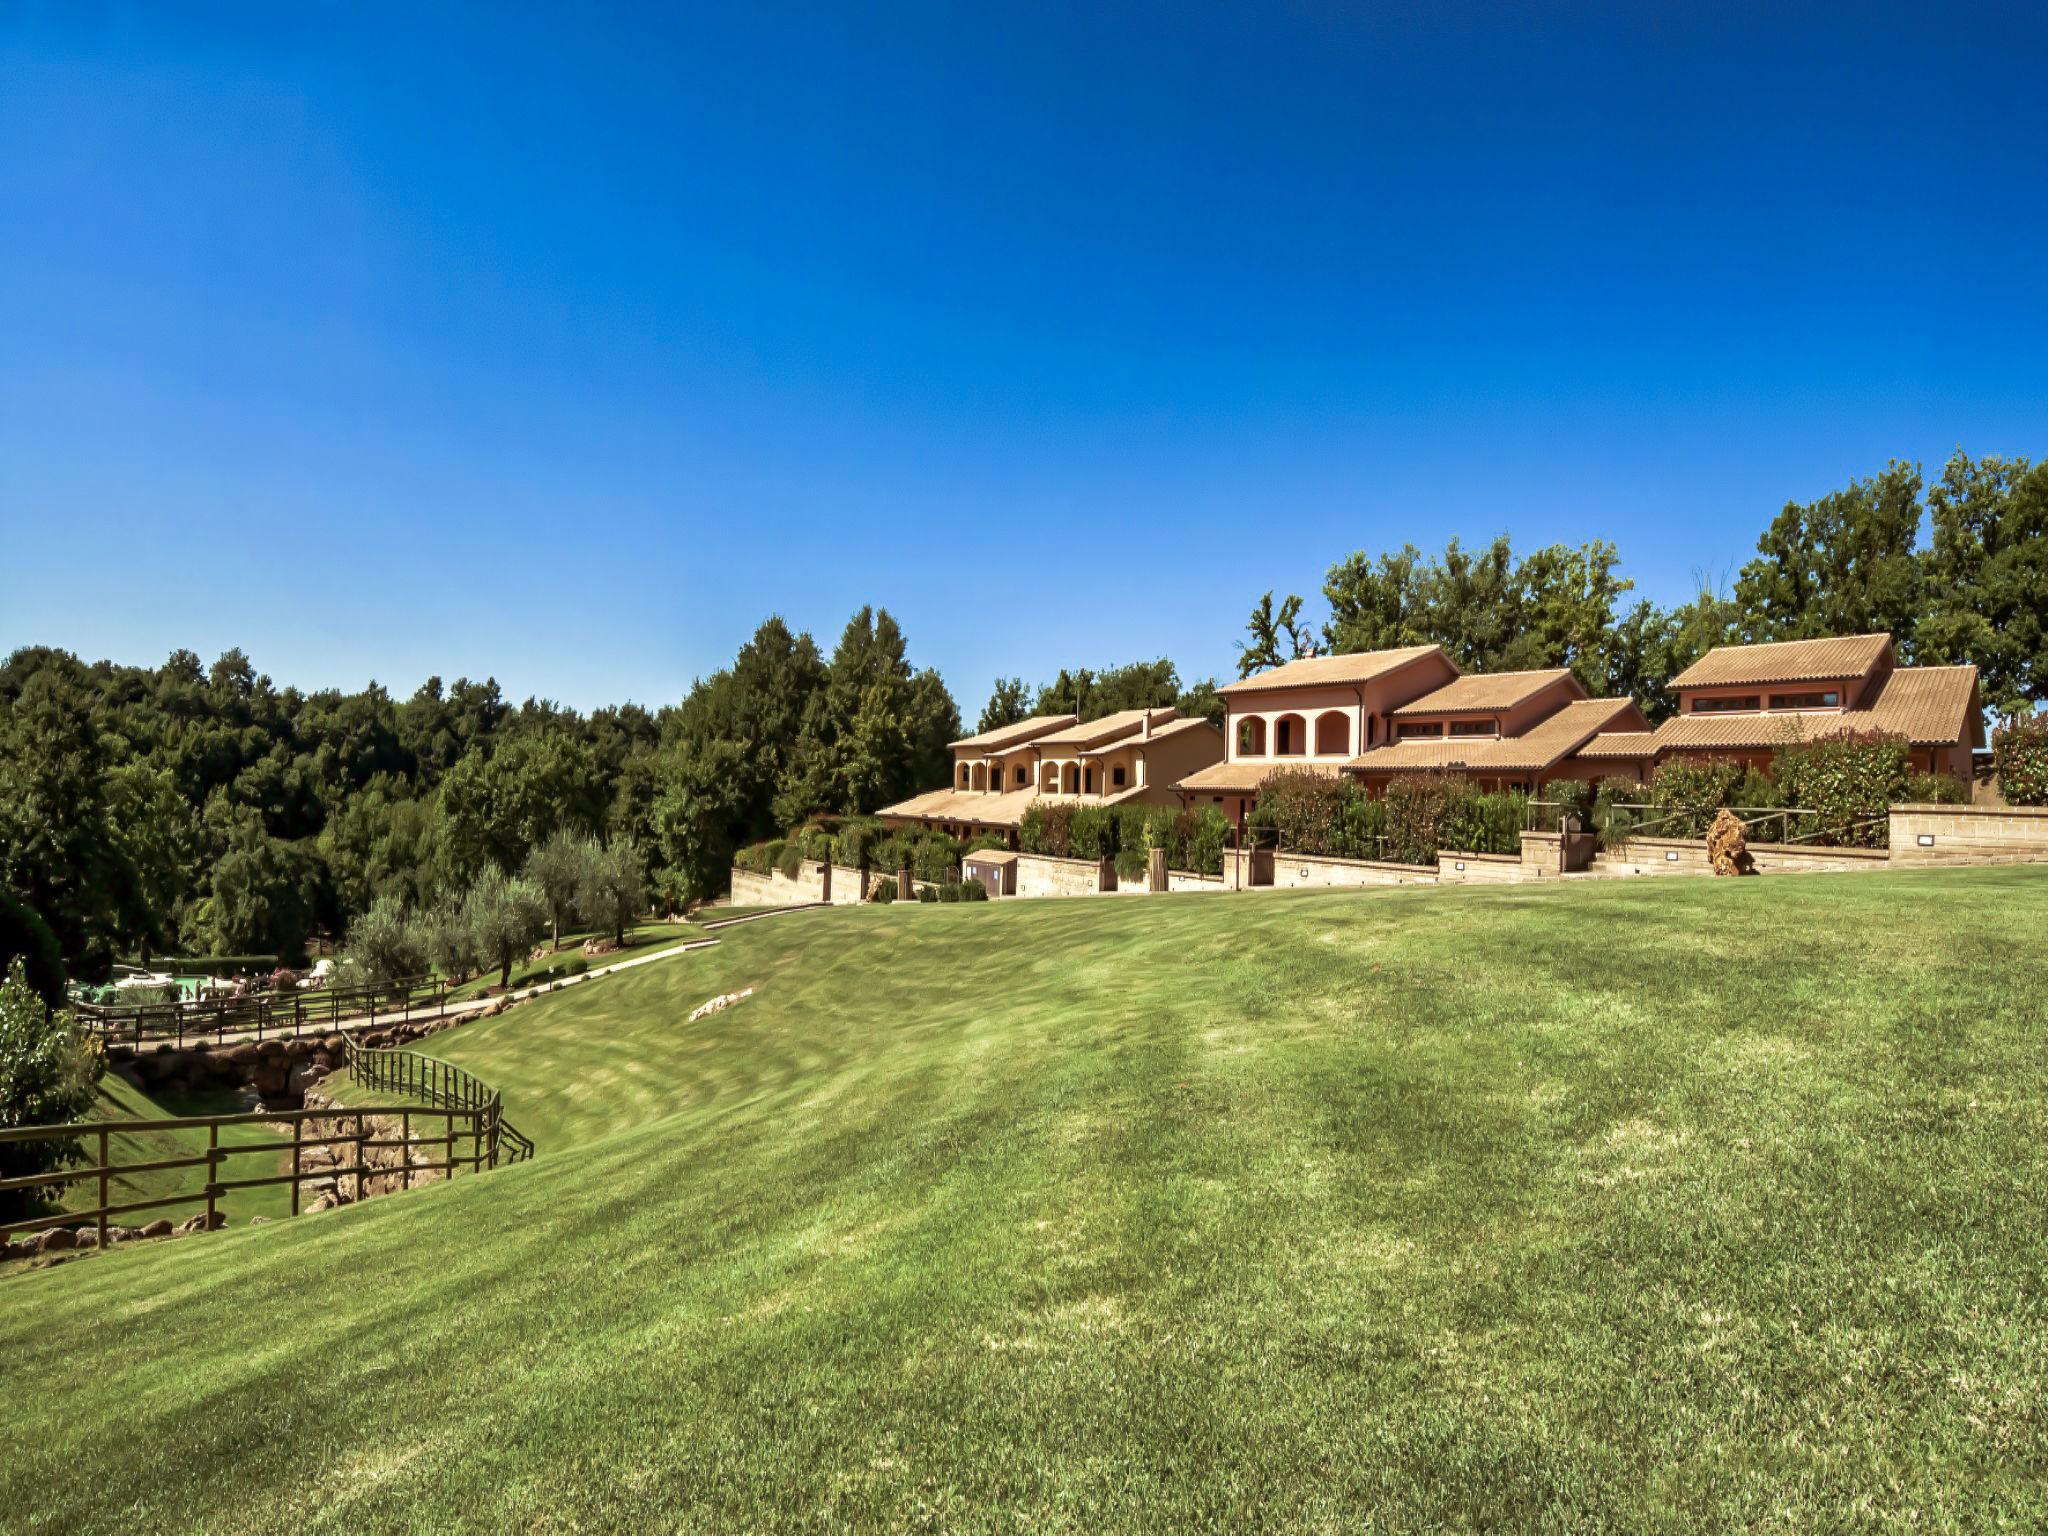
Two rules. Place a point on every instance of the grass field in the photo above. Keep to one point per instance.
(644, 937)
(1661, 1206)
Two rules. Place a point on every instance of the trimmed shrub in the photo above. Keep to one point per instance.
(1418, 806)
(883, 893)
(1305, 810)
(981, 840)
(973, 890)
(756, 859)
(1363, 834)
(1047, 829)
(576, 967)
(1091, 834)
(1689, 791)
(1756, 790)
(1199, 840)
(790, 859)
(1610, 822)
(1936, 789)
(935, 857)
(2019, 755)
(1849, 778)
(1484, 823)
(928, 893)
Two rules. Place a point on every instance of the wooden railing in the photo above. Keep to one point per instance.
(261, 1014)
(473, 1136)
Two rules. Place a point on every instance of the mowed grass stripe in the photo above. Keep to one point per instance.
(1671, 1206)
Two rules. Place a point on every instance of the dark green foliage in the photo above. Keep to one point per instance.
(2019, 756)
(1418, 806)
(790, 860)
(1987, 577)
(1850, 780)
(935, 857)
(1306, 811)
(854, 843)
(1091, 834)
(759, 858)
(1686, 792)
(1047, 829)
(883, 893)
(48, 1067)
(1199, 840)
(24, 936)
(388, 943)
(1936, 789)
(1841, 565)
(1476, 822)
(973, 890)
(613, 890)
(1007, 705)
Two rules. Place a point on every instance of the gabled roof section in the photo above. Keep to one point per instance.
(1486, 692)
(1323, 671)
(966, 806)
(1786, 661)
(1929, 706)
(1014, 735)
(1620, 746)
(1542, 746)
(1093, 733)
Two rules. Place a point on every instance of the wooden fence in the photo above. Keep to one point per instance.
(314, 1010)
(473, 1135)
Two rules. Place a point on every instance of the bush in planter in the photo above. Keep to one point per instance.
(1849, 778)
(790, 860)
(1091, 833)
(1610, 822)
(1687, 792)
(1936, 789)
(973, 890)
(1199, 840)
(757, 859)
(2019, 755)
(1418, 806)
(1047, 829)
(1484, 823)
(1306, 810)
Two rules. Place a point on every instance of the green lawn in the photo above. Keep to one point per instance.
(1663, 1206)
(121, 1100)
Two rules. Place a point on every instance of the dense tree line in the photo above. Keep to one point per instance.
(1975, 589)
(182, 808)
(1092, 695)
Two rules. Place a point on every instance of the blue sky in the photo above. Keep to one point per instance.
(565, 344)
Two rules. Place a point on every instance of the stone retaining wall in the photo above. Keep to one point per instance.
(1307, 871)
(1968, 834)
(1688, 856)
(1454, 868)
(1040, 874)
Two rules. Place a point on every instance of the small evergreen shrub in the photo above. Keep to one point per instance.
(790, 860)
(928, 893)
(1199, 840)
(1474, 822)
(884, 892)
(973, 890)
(2019, 755)
(1091, 832)
(1936, 789)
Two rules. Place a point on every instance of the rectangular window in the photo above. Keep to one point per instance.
(1472, 728)
(1827, 700)
(1726, 706)
(1421, 730)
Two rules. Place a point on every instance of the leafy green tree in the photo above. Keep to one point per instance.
(263, 895)
(1986, 575)
(505, 917)
(701, 814)
(24, 936)
(1841, 565)
(613, 892)
(1567, 599)
(1093, 695)
(1007, 705)
(1375, 604)
(1273, 632)
(48, 1067)
(451, 941)
(388, 943)
(559, 868)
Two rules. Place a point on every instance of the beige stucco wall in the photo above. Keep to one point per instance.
(752, 890)
(1968, 833)
(1040, 874)
(1380, 695)
(1453, 868)
(1302, 871)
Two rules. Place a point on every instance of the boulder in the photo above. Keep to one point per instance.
(56, 1240)
(303, 1076)
(1728, 845)
(259, 1221)
(161, 1227)
(243, 1055)
(88, 1237)
(200, 1223)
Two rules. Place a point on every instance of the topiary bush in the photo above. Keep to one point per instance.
(2019, 755)
(973, 890)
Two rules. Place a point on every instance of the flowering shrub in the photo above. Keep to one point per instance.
(1850, 779)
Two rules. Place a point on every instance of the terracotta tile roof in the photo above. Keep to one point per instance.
(1543, 745)
(1785, 661)
(982, 810)
(1090, 733)
(1929, 706)
(1246, 775)
(1620, 745)
(1489, 691)
(1321, 671)
(1016, 735)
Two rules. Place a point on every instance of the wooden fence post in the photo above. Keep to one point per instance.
(298, 1141)
(212, 1173)
(106, 1192)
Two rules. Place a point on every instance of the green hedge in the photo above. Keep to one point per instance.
(1850, 778)
(1419, 815)
(2019, 754)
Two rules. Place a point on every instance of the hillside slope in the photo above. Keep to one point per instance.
(1664, 1206)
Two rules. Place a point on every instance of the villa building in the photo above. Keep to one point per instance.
(1134, 756)
(1743, 702)
(1315, 714)
(1504, 730)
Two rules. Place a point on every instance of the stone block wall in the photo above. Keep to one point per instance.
(1968, 834)
(1454, 868)
(1040, 874)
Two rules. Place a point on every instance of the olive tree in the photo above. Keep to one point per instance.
(504, 917)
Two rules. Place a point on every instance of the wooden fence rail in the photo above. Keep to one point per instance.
(473, 1136)
(298, 1011)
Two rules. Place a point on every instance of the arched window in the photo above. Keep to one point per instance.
(963, 775)
(1333, 734)
(1073, 779)
(979, 779)
(1048, 778)
(1116, 777)
(1251, 737)
(1290, 736)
